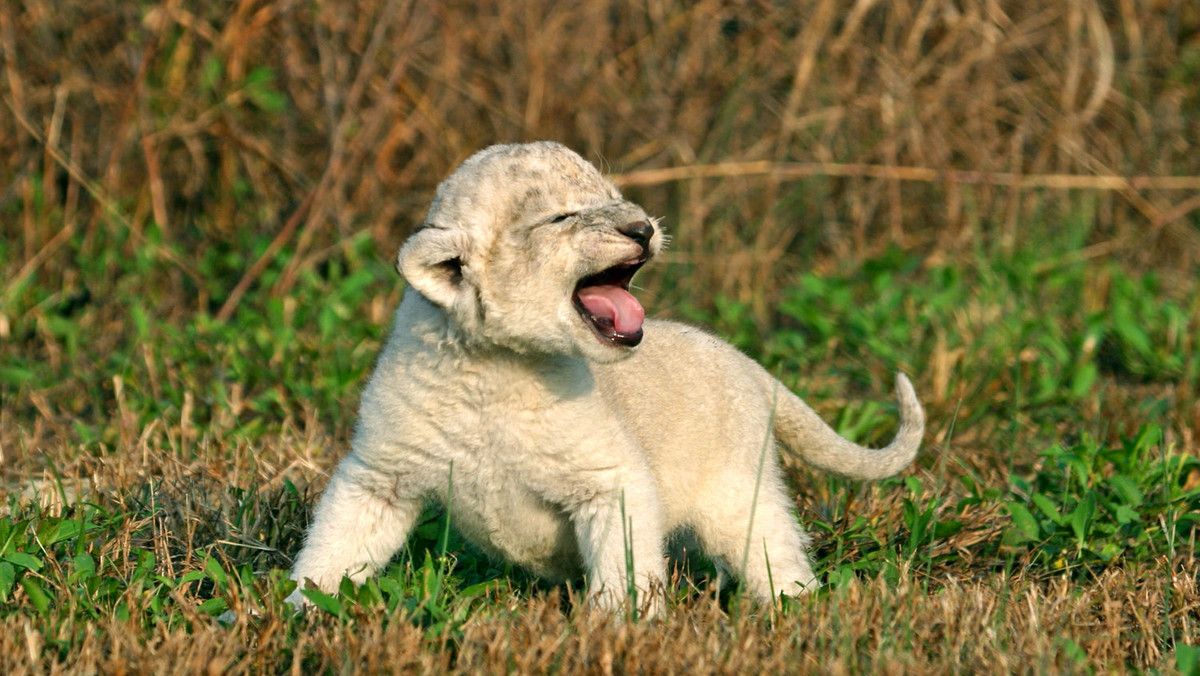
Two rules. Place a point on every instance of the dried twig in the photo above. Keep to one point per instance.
(921, 174)
(293, 222)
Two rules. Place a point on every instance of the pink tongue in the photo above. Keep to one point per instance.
(615, 304)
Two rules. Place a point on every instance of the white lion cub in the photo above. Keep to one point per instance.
(578, 433)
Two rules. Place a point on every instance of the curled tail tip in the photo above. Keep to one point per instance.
(912, 414)
(906, 396)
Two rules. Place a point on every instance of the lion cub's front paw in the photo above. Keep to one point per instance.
(649, 604)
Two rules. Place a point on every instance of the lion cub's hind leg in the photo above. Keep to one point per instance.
(769, 541)
(619, 534)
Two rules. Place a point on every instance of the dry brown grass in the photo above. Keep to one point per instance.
(924, 123)
(992, 626)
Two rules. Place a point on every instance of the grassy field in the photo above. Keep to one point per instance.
(200, 207)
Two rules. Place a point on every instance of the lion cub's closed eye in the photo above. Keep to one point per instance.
(527, 368)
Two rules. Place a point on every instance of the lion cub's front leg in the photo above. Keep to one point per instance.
(355, 531)
(619, 532)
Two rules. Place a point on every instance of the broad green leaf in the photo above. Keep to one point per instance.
(391, 587)
(346, 588)
(1187, 659)
(1148, 437)
(1024, 525)
(1125, 515)
(15, 376)
(190, 576)
(24, 560)
(1128, 489)
(213, 606)
(65, 529)
(326, 602)
(1081, 518)
(1047, 507)
(85, 565)
(1073, 650)
(1083, 379)
(944, 529)
(479, 589)
(369, 594)
(216, 573)
(8, 577)
(37, 597)
(1110, 551)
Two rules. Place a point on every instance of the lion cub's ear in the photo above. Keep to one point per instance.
(432, 261)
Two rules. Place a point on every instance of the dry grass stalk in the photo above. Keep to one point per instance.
(794, 170)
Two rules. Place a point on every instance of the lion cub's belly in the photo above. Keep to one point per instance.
(513, 524)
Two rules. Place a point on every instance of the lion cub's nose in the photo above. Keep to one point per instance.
(638, 231)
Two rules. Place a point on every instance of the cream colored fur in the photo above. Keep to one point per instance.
(493, 383)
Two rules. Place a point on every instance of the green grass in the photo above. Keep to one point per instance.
(1057, 397)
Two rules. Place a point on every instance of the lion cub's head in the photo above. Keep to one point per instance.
(529, 247)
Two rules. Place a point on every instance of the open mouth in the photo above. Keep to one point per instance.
(604, 302)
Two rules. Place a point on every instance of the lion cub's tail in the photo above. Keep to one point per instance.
(803, 432)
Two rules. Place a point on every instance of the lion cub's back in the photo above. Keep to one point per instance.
(693, 400)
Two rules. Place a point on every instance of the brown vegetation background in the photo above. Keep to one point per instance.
(770, 135)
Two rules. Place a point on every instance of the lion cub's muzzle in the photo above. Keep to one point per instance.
(640, 232)
(604, 300)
